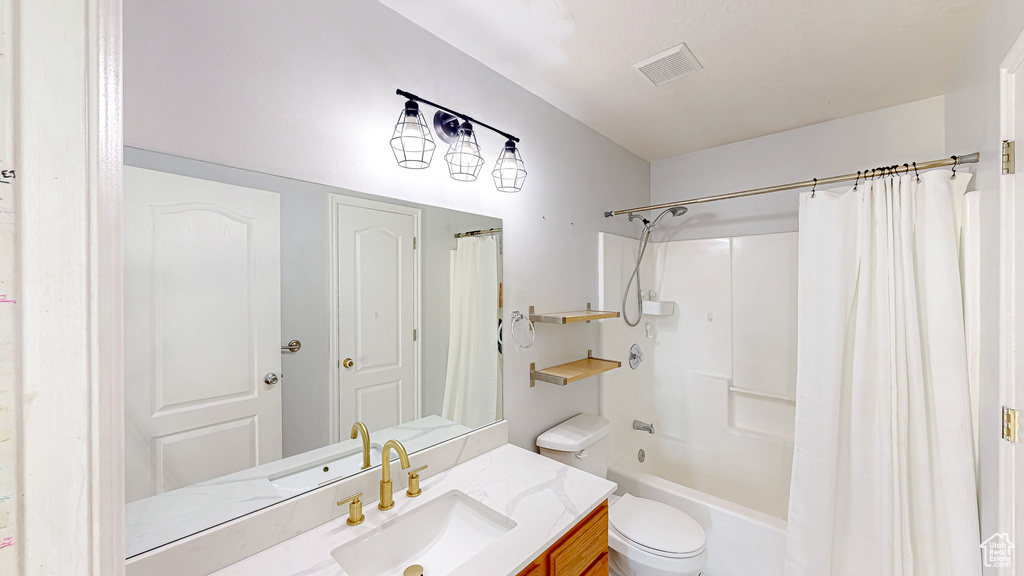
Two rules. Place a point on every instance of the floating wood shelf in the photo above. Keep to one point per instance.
(563, 374)
(569, 317)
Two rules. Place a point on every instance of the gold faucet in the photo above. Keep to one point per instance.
(360, 429)
(387, 501)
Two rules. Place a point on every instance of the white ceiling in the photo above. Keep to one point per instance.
(769, 65)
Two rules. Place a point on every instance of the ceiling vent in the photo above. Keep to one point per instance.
(668, 65)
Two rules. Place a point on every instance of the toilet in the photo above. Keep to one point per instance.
(645, 537)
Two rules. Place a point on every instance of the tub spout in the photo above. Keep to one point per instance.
(638, 425)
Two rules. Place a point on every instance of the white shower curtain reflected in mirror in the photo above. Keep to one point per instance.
(883, 466)
(471, 390)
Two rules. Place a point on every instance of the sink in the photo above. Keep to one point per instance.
(311, 475)
(439, 536)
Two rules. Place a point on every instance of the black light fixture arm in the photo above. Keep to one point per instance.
(465, 117)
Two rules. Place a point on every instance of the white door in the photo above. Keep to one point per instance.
(1007, 505)
(202, 293)
(376, 280)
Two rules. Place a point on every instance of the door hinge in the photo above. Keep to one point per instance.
(413, 334)
(1009, 157)
(1009, 424)
(413, 242)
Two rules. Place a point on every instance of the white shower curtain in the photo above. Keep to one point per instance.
(471, 384)
(883, 466)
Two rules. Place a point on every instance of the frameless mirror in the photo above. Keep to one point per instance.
(265, 316)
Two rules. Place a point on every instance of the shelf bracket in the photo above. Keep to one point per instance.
(535, 376)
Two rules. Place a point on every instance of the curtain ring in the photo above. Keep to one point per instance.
(916, 173)
(856, 181)
(956, 160)
(814, 188)
(907, 167)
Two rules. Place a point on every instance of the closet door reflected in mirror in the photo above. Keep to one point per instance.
(223, 267)
(376, 281)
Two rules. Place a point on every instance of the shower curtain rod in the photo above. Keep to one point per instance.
(478, 232)
(904, 168)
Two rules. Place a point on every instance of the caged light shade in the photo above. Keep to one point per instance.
(509, 172)
(464, 158)
(411, 142)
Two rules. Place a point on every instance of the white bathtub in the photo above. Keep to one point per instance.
(740, 541)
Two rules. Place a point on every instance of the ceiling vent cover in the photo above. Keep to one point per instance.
(668, 65)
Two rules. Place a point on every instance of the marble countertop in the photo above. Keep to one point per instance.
(157, 520)
(543, 497)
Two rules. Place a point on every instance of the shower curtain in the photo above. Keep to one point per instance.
(471, 383)
(883, 466)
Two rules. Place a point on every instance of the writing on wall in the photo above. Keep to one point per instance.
(9, 445)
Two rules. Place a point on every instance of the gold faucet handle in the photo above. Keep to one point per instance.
(355, 509)
(414, 482)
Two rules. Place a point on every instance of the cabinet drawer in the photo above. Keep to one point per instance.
(600, 568)
(575, 555)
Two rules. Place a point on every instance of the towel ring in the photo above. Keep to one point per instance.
(516, 317)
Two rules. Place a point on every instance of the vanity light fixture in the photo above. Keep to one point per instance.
(413, 145)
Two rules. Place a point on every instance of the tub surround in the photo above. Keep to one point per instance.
(157, 520)
(221, 546)
(545, 499)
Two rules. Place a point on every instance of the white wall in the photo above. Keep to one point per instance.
(972, 124)
(306, 90)
(906, 133)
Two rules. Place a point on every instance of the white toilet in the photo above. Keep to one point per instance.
(645, 537)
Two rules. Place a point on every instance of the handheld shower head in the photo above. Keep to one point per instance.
(674, 211)
(645, 235)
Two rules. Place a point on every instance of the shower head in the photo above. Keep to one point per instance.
(674, 211)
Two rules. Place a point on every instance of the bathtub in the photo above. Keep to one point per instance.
(740, 541)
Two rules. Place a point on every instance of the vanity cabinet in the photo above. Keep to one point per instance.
(581, 552)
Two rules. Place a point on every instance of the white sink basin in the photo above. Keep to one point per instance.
(323, 471)
(439, 536)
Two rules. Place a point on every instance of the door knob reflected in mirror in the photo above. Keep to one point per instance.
(348, 363)
(270, 379)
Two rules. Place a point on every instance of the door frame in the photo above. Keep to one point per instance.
(336, 201)
(1008, 232)
(67, 114)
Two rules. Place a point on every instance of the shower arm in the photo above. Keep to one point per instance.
(884, 171)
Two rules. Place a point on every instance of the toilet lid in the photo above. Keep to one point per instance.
(656, 526)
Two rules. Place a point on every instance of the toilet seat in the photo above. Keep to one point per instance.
(656, 528)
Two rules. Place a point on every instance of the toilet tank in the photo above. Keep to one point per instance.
(580, 442)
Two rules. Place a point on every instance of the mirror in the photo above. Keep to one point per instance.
(265, 316)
